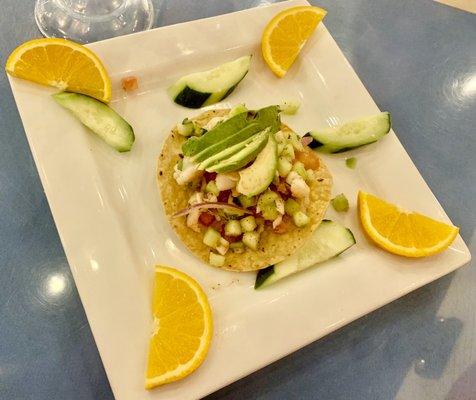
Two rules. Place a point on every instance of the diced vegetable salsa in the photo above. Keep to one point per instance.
(230, 220)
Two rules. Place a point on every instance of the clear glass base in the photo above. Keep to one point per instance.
(86, 21)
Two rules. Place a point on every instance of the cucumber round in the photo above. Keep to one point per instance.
(208, 87)
(329, 240)
(100, 118)
(351, 134)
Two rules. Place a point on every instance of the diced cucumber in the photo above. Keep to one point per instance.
(267, 205)
(246, 201)
(100, 118)
(217, 260)
(209, 87)
(351, 162)
(251, 240)
(248, 224)
(298, 167)
(300, 219)
(290, 107)
(237, 247)
(212, 188)
(198, 130)
(284, 166)
(352, 134)
(186, 128)
(295, 142)
(238, 109)
(233, 228)
(329, 240)
(291, 207)
(340, 203)
(211, 238)
(288, 151)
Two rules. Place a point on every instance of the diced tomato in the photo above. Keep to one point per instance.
(309, 158)
(223, 196)
(217, 225)
(253, 210)
(210, 176)
(130, 83)
(206, 219)
(232, 239)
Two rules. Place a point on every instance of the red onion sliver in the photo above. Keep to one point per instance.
(205, 206)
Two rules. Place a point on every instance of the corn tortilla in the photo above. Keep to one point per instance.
(273, 247)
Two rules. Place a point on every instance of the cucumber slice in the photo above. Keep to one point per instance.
(100, 118)
(352, 134)
(209, 87)
(329, 240)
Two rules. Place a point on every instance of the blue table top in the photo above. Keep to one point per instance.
(418, 60)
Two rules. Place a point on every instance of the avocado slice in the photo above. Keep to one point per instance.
(231, 140)
(242, 157)
(195, 145)
(268, 116)
(258, 176)
(224, 153)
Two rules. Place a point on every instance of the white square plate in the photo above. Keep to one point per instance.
(110, 219)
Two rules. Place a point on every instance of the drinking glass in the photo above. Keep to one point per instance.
(86, 21)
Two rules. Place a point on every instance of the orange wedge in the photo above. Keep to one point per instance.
(286, 34)
(403, 232)
(183, 327)
(62, 64)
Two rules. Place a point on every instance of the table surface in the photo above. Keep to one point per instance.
(417, 58)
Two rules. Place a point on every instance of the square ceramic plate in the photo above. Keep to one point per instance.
(110, 219)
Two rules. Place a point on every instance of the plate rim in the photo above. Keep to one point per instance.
(43, 179)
